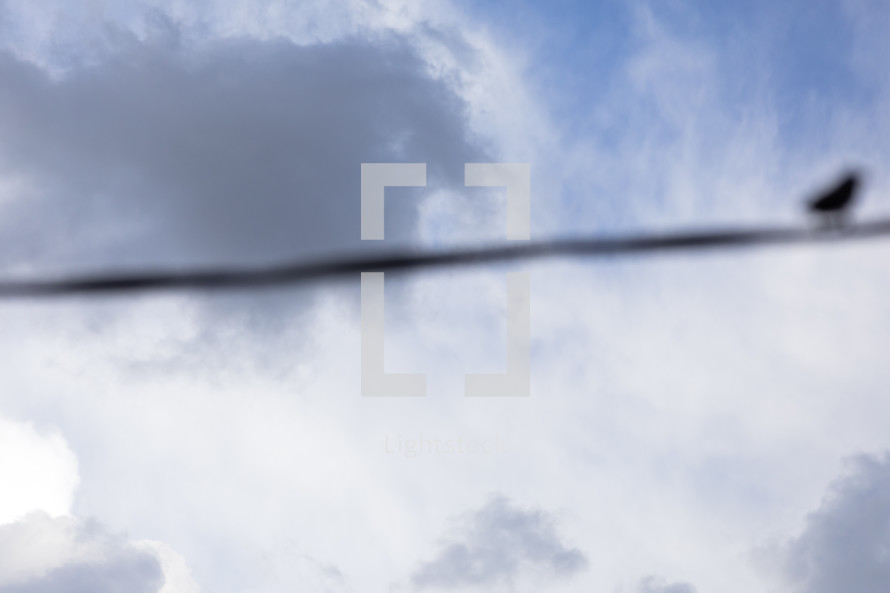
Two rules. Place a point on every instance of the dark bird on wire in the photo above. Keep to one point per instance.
(833, 204)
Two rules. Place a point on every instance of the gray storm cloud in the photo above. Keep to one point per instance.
(496, 544)
(234, 151)
(160, 152)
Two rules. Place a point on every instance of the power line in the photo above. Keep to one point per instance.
(311, 271)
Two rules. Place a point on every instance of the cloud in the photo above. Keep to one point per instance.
(43, 549)
(845, 545)
(38, 471)
(497, 543)
(656, 585)
(680, 405)
(41, 554)
(160, 151)
(238, 150)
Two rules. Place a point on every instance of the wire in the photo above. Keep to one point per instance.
(302, 272)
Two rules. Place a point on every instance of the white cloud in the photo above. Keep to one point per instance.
(38, 471)
(41, 554)
(43, 549)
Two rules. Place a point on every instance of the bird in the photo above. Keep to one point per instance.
(833, 204)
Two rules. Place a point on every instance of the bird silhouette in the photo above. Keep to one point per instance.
(833, 204)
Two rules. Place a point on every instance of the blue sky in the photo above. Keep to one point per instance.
(795, 63)
(577, 50)
(697, 423)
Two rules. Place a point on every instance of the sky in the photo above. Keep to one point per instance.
(697, 422)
